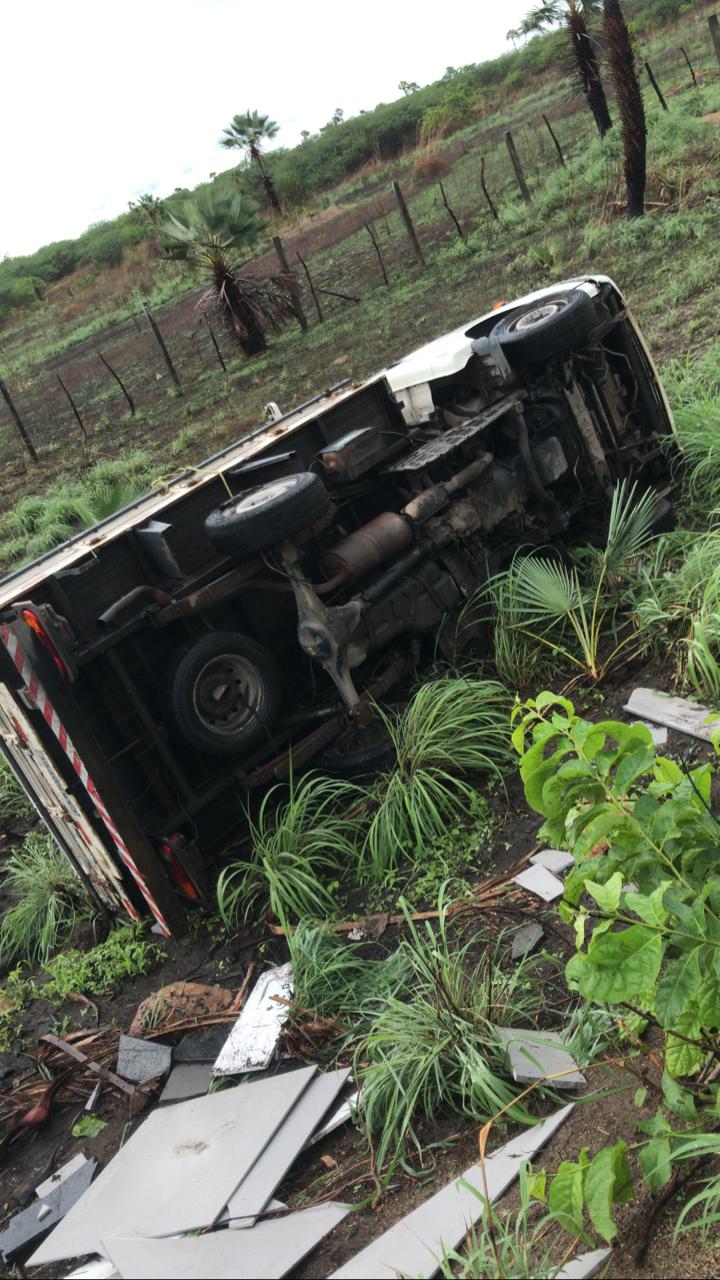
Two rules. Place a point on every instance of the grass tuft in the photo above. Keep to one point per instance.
(49, 901)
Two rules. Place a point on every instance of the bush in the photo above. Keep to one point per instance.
(50, 899)
(431, 167)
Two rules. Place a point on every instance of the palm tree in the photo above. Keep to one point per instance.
(575, 15)
(621, 57)
(211, 233)
(247, 132)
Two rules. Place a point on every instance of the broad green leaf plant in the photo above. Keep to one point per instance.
(644, 899)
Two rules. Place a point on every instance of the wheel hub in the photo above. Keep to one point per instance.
(226, 693)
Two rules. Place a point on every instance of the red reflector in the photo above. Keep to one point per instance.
(178, 872)
(32, 621)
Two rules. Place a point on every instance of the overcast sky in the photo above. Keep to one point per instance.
(101, 101)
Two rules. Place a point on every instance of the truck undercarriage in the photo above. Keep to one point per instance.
(255, 611)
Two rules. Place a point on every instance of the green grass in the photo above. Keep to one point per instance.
(433, 1045)
(452, 730)
(49, 900)
(302, 845)
(123, 955)
(14, 804)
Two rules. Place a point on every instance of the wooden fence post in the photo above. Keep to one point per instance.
(553, 135)
(215, 343)
(691, 69)
(376, 247)
(714, 26)
(161, 343)
(524, 189)
(285, 266)
(409, 224)
(120, 383)
(656, 87)
(485, 191)
(73, 406)
(18, 422)
(458, 228)
(311, 286)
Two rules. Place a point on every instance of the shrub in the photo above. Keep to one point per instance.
(14, 804)
(431, 167)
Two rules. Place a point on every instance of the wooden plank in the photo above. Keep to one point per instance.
(681, 714)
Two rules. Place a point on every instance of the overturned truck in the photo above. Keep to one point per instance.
(160, 667)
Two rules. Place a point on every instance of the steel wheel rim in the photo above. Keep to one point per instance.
(529, 319)
(227, 693)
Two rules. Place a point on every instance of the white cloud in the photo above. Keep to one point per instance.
(102, 101)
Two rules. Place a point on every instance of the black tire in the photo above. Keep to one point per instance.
(263, 516)
(224, 693)
(548, 329)
(359, 755)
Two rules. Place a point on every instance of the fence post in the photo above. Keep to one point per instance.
(714, 26)
(458, 228)
(161, 343)
(73, 406)
(409, 224)
(524, 189)
(376, 247)
(553, 135)
(18, 422)
(656, 87)
(285, 266)
(311, 286)
(485, 191)
(691, 69)
(120, 383)
(215, 343)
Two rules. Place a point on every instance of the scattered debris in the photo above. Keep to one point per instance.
(346, 1111)
(35, 1221)
(269, 1249)
(251, 1043)
(416, 1244)
(187, 1080)
(681, 714)
(257, 1187)
(555, 860)
(180, 1001)
(179, 1168)
(142, 1060)
(584, 1266)
(96, 1269)
(92, 1101)
(540, 1055)
(540, 881)
(526, 939)
(95, 1067)
(65, 1171)
(202, 1045)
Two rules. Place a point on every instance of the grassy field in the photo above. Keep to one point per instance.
(574, 224)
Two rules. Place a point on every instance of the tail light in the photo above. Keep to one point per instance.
(31, 619)
(169, 853)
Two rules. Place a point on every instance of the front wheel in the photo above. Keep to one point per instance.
(548, 329)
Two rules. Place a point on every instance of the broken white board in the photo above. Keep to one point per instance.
(65, 1171)
(526, 939)
(415, 1246)
(540, 881)
(253, 1038)
(95, 1269)
(179, 1168)
(268, 1250)
(682, 714)
(555, 860)
(585, 1266)
(346, 1111)
(270, 1168)
(538, 1055)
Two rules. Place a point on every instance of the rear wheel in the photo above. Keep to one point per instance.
(359, 753)
(224, 693)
